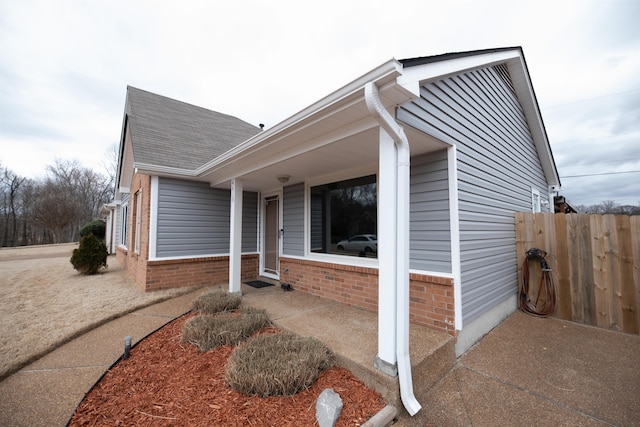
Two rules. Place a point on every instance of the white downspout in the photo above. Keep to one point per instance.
(377, 110)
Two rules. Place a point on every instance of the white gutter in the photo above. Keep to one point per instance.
(377, 110)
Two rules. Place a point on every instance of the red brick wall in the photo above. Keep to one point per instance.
(357, 286)
(204, 271)
(430, 302)
(136, 263)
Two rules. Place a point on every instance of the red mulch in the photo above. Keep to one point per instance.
(167, 383)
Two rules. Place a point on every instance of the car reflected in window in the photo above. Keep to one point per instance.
(367, 243)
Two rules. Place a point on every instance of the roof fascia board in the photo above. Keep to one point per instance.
(524, 90)
(413, 76)
(125, 125)
(165, 171)
(389, 70)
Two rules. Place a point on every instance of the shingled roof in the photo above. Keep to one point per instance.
(166, 132)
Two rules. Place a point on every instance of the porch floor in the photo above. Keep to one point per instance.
(352, 334)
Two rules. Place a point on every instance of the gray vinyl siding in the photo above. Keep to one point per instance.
(429, 213)
(497, 167)
(250, 222)
(293, 220)
(194, 219)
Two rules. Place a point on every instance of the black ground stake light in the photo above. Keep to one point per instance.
(127, 347)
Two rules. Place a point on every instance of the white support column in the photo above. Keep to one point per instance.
(153, 217)
(386, 359)
(454, 224)
(235, 237)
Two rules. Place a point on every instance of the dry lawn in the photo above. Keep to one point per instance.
(44, 302)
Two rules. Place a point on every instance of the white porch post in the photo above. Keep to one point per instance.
(386, 359)
(235, 237)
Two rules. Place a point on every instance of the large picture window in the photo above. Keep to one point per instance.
(344, 217)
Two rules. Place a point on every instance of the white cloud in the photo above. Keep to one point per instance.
(66, 64)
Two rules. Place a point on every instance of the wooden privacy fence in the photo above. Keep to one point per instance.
(595, 262)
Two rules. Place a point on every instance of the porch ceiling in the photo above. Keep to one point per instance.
(344, 140)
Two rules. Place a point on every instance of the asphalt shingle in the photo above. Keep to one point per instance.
(167, 132)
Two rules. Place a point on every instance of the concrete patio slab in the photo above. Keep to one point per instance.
(590, 370)
(539, 371)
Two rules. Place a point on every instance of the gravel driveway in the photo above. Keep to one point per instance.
(44, 302)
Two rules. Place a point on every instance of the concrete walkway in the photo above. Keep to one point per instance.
(47, 392)
(528, 371)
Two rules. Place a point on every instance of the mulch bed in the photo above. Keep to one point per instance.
(167, 383)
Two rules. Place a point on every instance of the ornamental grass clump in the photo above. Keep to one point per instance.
(280, 364)
(216, 301)
(209, 331)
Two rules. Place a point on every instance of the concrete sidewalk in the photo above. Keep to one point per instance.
(528, 371)
(47, 392)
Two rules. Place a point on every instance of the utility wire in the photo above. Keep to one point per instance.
(631, 159)
(590, 99)
(594, 138)
(598, 174)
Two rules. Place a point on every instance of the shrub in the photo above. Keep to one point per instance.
(280, 364)
(209, 331)
(90, 256)
(98, 228)
(216, 301)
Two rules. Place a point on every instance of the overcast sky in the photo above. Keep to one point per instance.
(65, 66)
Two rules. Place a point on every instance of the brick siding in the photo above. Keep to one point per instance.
(205, 271)
(431, 301)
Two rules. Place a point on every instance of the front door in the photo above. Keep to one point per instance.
(271, 251)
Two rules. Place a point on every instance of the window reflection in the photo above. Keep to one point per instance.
(344, 217)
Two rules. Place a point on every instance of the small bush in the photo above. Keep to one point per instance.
(280, 364)
(209, 331)
(90, 256)
(216, 301)
(98, 228)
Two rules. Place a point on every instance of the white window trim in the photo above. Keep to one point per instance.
(331, 258)
(124, 213)
(138, 225)
(153, 216)
(536, 201)
(261, 227)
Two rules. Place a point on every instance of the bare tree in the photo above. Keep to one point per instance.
(69, 197)
(51, 209)
(110, 162)
(609, 207)
(10, 184)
